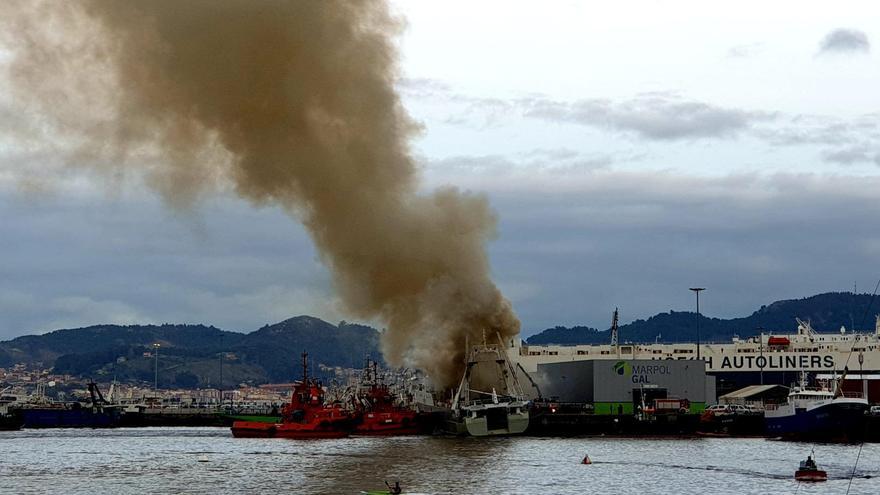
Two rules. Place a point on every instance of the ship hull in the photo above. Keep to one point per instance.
(69, 418)
(497, 423)
(10, 422)
(253, 429)
(387, 425)
(301, 431)
(837, 420)
(308, 431)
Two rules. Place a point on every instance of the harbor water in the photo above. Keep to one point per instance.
(209, 460)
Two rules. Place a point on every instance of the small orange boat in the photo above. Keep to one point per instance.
(306, 416)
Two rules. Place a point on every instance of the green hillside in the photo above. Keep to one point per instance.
(195, 355)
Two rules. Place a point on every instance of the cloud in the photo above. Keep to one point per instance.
(472, 171)
(656, 116)
(745, 51)
(845, 141)
(572, 244)
(845, 41)
(422, 87)
(588, 243)
(661, 116)
(78, 259)
(852, 155)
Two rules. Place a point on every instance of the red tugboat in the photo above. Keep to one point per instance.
(306, 416)
(379, 411)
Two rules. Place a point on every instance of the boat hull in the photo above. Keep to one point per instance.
(386, 431)
(69, 418)
(388, 424)
(307, 431)
(487, 426)
(10, 422)
(810, 475)
(254, 429)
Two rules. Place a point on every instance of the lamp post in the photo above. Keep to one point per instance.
(156, 368)
(697, 292)
(220, 361)
(762, 354)
(862, 375)
(220, 382)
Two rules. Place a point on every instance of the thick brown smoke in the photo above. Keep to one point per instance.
(293, 102)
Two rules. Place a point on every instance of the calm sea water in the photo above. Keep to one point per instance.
(167, 460)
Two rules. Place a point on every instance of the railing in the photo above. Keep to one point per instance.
(501, 399)
(851, 395)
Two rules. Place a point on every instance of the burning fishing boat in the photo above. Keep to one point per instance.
(489, 400)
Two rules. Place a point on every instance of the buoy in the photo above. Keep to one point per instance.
(587, 460)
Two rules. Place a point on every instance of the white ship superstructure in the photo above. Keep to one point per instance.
(805, 350)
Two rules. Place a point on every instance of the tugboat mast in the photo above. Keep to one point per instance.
(305, 365)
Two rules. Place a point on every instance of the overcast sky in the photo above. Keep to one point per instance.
(630, 149)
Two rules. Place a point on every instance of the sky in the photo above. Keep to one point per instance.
(630, 150)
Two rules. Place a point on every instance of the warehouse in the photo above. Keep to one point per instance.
(622, 386)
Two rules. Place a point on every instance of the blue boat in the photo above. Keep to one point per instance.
(98, 414)
(817, 413)
(68, 416)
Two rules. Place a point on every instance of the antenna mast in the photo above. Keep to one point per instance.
(305, 365)
(614, 329)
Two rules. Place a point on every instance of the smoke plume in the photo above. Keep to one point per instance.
(291, 102)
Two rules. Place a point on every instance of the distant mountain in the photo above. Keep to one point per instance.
(827, 312)
(196, 355)
(46, 348)
(276, 347)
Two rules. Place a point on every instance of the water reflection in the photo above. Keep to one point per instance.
(208, 460)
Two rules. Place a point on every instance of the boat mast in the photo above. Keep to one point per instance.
(305, 365)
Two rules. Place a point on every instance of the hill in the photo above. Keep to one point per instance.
(827, 312)
(195, 355)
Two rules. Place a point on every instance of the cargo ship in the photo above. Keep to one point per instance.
(770, 358)
(306, 416)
